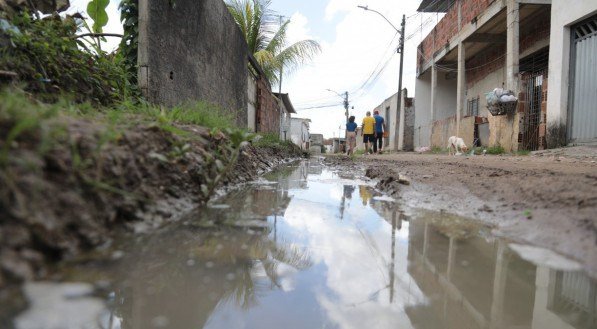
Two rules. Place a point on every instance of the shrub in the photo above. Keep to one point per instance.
(50, 61)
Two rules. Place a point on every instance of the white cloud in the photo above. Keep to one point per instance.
(362, 42)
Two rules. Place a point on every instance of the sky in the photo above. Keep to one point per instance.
(358, 54)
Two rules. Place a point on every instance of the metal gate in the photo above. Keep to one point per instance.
(529, 130)
(583, 92)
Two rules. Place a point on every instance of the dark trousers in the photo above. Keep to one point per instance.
(378, 143)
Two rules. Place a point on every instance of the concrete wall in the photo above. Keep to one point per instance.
(446, 95)
(564, 14)
(443, 129)
(408, 143)
(192, 50)
(422, 128)
(388, 109)
(495, 79)
(299, 132)
(251, 102)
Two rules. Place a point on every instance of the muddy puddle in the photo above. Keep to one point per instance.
(304, 248)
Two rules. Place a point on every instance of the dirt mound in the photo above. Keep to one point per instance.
(91, 179)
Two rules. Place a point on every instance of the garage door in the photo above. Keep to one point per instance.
(584, 86)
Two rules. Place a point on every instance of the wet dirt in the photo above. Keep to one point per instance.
(548, 199)
(310, 247)
(92, 181)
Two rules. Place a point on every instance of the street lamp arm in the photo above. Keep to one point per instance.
(335, 92)
(380, 14)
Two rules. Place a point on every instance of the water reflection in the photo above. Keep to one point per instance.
(301, 249)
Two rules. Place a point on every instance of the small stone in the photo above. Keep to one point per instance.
(402, 179)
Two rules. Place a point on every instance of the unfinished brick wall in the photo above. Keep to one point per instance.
(472, 8)
(449, 26)
(267, 108)
(479, 66)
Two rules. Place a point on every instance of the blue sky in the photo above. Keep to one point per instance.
(358, 54)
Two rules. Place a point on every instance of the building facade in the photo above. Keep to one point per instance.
(299, 132)
(572, 90)
(478, 46)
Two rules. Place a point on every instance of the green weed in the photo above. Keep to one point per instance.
(523, 152)
(495, 150)
(438, 150)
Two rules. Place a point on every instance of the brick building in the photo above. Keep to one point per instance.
(477, 46)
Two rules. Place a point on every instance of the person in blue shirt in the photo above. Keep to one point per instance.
(380, 127)
(351, 135)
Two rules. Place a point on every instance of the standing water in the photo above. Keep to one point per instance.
(305, 248)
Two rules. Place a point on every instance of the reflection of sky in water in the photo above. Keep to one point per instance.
(348, 284)
(329, 261)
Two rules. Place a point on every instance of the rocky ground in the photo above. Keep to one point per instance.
(548, 198)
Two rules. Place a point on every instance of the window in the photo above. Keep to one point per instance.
(472, 108)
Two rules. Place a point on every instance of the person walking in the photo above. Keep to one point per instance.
(351, 134)
(368, 132)
(380, 128)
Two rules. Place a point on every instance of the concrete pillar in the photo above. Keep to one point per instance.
(461, 86)
(433, 93)
(499, 287)
(512, 45)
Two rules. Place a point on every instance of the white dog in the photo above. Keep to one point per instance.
(456, 145)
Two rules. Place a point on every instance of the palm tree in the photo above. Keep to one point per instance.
(267, 40)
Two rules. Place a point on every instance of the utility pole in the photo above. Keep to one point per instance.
(345, 102)
(399, 97)
(400, 50)
(346, 105)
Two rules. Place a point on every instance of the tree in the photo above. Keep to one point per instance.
(266, 38)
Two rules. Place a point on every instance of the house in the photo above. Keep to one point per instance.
(477, 46)
(572, 89)
(316, 143)
(400, 127)
(299, 132)
(286, 109)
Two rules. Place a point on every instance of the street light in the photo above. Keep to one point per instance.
(400, 50)
(345, 97)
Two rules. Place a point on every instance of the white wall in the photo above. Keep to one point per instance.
(493, 80)
(423, 110)
(564, 13)
(389, 120)
(446, 96)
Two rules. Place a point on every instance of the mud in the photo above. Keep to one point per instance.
(547, 199)
(93, 181)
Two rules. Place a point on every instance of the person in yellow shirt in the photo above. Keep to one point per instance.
(368, 132)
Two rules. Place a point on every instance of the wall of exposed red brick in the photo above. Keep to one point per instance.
(479, 66)
(448, 27)
(267, 109)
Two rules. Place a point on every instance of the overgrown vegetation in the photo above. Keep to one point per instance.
(269, 140)
(129, 16)
(50, 61)
(495, 150)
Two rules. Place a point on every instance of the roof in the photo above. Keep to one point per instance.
(286, 101)
(435, 6)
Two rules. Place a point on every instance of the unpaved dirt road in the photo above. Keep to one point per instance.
(548, 199)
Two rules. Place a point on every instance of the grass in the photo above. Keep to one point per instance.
(270, 140)
(438, 150)
(495, 150)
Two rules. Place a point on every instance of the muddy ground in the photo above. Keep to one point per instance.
(68, 192)
(548, 198)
